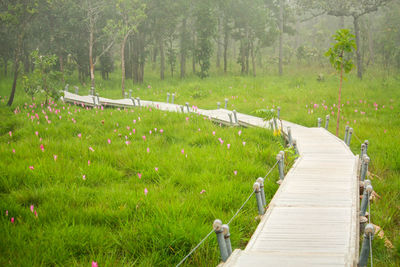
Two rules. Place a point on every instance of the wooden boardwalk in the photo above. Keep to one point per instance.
(312, 219)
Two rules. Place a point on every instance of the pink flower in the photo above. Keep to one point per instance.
(94, 264)
(156, 169)
(84, 177)
(55, 157)
(31, 167)
(134, 121)
(127, 143)
(240, 132)
(187, 118)
(88, 162)
(109, 141)
(37, 133)
(235, 172)
(12, 219)
(161, 130)
(213, 133)
(356, 110)
(134, 130)
(128, 128)
(229, 146)
(91, 149)
(244, 143)
(144, 138)
(148, 150)
(150, 132)
(202, 191)
(32, 208)
(79, 135)
(13, 151)
(385, 131)
(36, 213)
(42, 147)
(139, 175)
(183, 151)
(146, 191)
(10, 133)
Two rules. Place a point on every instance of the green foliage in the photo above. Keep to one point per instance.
(266, 114)
(43, 78)
(339, 52)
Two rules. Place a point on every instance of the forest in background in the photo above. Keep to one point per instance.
(180, 37)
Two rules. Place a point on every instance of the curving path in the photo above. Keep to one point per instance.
(312, 219)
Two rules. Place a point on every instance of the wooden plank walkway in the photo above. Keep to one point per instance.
(312, 219)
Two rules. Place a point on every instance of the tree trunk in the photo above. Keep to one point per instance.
(60, 58)
(162, 59)
(358, 43)
(123, 63)
(253, 61)
(16, 69)
(280, 37)
(339, 99)
(91, 58)
(226, 40)
(194, 53)
(219, 47)
(370, 44)
(183, 48)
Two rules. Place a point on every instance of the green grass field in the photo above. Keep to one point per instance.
(110, 219)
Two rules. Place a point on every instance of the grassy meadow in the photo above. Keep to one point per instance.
(148, 200)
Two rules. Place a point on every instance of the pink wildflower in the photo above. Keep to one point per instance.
(94, 264)
(202, 191)
(31, 167)
(32, 208)
(36, 213)
(139, 175)
(42, 147)
(144, 138)
(213, 133)
(55, 157)
(13, 151)
(146, 191)
(12, 219)
(156, 169)
(10, 133)
(229, 146)
(84, 177)
(240, 132)
(79, 135)
(183, 151)
(148, 150)
(109, 141)
(91, 149)
(161, 130)
(88, 162)
(37, 133)
(244, 143)
(235, 172)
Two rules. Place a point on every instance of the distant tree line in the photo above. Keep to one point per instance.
(176, 35)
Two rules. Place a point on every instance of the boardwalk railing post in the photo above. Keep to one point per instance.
(362, 151)
(173, 98)
(66, 87)
(167, 97)
(217, 225)
(98, 99)
(346, 132)
(227, 236)
(271, 125)
(182, 109)
(126, 95)
(92, 90)
(364, 202)
(260, 180)
(275, 124)
(235, 116)
(327, 122)
(187, 106)
(365, 249)
(230, 118)
(133, 101)
(349, 136)
(366, 146)
(364, 167)
(130, 93)
(256, 187)
(138, 100)
(294, 142)
(226, 103)
(289, 132)
(218, 105)
(76, 89)
(279, 159)
(283, 161)
(278, 112)
(319, 122)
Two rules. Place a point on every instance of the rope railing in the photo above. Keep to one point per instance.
(219, 231)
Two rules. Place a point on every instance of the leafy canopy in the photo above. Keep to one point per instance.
(345, 44)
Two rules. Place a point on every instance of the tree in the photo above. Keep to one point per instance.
(338, 57)
(131, 13)
(347, 8)
(204, 26)
(43, 78)
(17, 16)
